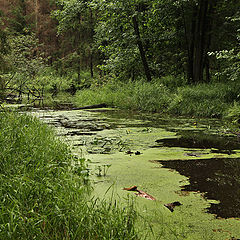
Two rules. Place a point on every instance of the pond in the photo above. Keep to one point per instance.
(186, 171)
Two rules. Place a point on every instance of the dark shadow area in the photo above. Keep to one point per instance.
(218, 178)
(202, 141)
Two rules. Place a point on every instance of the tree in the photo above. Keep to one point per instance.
(206, 30)
(134, 38)
(229, 59)
(120, 37)
(4, 49)
(76, 23)
(18, 21)
(25, 62)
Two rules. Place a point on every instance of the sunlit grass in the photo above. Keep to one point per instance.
(204, 100)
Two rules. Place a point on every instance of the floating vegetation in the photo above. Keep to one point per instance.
(156, 156)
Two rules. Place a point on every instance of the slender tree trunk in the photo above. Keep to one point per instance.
(79, 72)
(141, 49)
(199, 45)
(189, 75)
(91, 47)
(191, 47)
(199, 41)
(36, 16)
(210, 20)
(78, 51)
(91, 65)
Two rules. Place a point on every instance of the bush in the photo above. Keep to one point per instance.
(233, 113)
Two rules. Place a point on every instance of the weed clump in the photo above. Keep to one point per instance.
(139, 95)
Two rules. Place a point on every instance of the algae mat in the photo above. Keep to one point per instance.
(154, 155)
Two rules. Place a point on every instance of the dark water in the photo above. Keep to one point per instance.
(218, 178)
(201, 140)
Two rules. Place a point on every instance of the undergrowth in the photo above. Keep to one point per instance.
(44, 190)
(202, 100)
(140, 95)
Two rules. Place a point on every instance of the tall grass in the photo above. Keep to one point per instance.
(44, 189)
(140, 95)
(202, 100)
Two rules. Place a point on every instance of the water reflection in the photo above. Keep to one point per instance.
(202, 141)
(218, 178)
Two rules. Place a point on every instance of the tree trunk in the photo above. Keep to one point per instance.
(141, 49)
(210, 20)
(191, 47)
(79, 72)
(91, 44)
(91, 65)
(36, 17)
(199, 45)
(199, 42)
(78, 51)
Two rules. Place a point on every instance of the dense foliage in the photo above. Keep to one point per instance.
(54, 45)
(172, 56)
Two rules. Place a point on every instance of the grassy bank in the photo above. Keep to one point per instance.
(143, 96)
(44, 190)
(203, 100)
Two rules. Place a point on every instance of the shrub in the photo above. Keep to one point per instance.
(233, 113)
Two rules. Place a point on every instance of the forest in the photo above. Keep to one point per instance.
(179, 57)
(160, 159)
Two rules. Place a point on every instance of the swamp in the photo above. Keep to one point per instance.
(119, 119)
(190, 161)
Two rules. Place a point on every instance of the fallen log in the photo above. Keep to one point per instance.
(140, 193)
(102, 105)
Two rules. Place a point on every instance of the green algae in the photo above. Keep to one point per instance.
(188, 221)
(164, 186)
